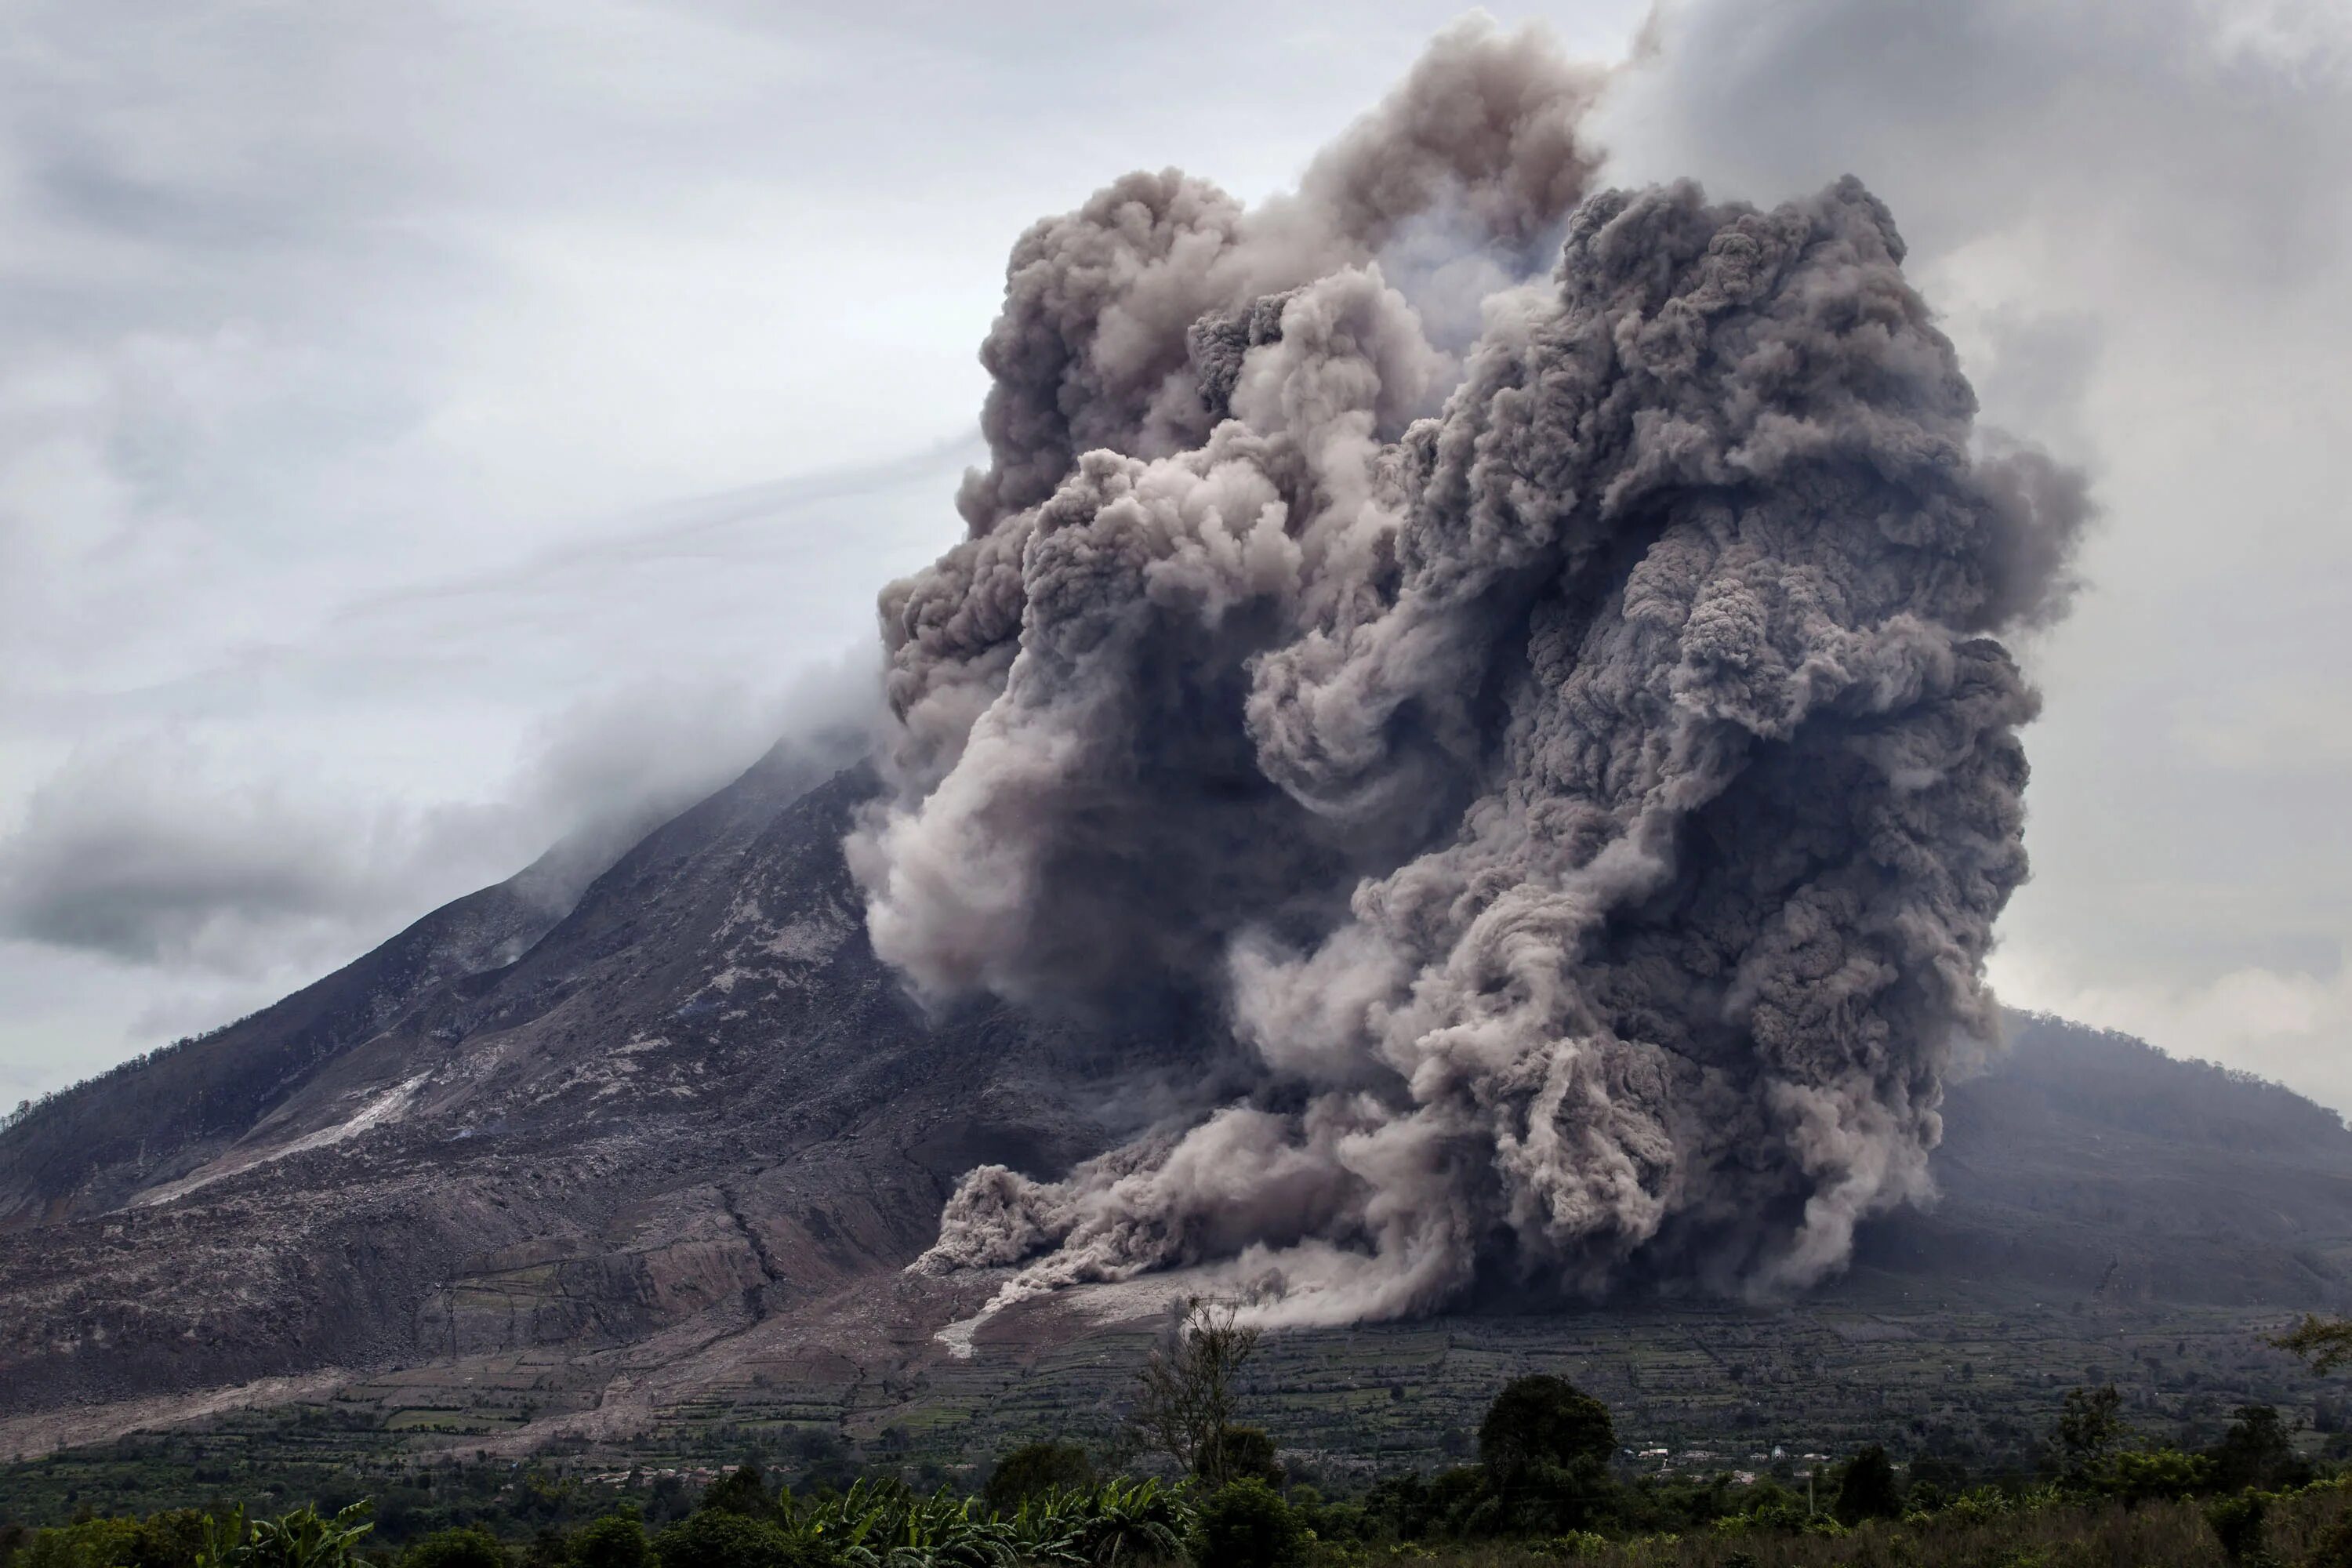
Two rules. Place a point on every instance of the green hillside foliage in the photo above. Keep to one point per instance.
(1546, 1488)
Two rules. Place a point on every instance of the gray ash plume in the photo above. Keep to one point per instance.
(1578, 757)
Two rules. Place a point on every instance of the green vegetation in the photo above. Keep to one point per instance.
(1469, 1516)
(2325, 1343)
(1188, 1390)
(1036, 1470)
(616, 1541)
(1549, 1484)
(1957, 1378)
(1245, 1523)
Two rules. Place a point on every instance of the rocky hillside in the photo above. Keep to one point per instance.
(693, 1103)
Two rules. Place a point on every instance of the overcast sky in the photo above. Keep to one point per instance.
(426, 430)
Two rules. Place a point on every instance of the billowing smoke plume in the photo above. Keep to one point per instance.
(1574, 749)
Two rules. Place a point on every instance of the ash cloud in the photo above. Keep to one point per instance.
(1580, 759)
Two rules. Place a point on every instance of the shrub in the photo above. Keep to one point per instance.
(1457, 1501)
(2238, 1523)
(1245, 1524)
(1328, 1520)
(2334, 1547)
(1549, 1500)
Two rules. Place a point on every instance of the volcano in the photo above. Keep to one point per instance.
(692, 1119)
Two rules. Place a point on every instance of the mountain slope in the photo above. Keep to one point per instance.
(2092, 1162)
(89, 1149)
(695, 1104)
(696, 1095)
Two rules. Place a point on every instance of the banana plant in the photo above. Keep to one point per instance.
(302, 1539)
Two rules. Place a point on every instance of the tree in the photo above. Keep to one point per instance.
(2138, 1477)
(1541, 1420)
(1033, 1470)
(2090, 1426)
(1543, 1452)
(616, 1541)
(743, 1490)
(2325, 1343)
(1246, 1451)
(1186, 1397)
(1868, 1487)
(167, 1540)
(714, 1538)
(468, 1546)
(171, 1538)
(2258, 1450)
(1246, 1524)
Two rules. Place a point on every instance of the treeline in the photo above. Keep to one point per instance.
(29, 1109)
(2124, 1080)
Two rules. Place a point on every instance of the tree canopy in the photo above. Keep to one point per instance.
(1541, 1420)
(2325, 1343)
(1034, 1468)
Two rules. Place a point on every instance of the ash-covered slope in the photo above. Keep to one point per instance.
(90, 1148)
(95, 1146)
(697, 1094)
(699, 1103)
